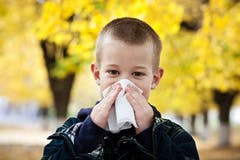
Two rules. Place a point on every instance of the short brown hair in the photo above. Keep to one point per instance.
(131, 31)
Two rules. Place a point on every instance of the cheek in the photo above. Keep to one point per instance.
(146, 93)
(105, 82)
(103, 86)
(146, 90)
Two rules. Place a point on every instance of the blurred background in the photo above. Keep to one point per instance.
(47, 46)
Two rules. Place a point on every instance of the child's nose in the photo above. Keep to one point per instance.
(125, 76)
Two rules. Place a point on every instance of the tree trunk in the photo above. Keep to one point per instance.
(205, 117)
(61, 90)
(193, 122)
(60, 87)
(180, 118)
(224, 101)
(205, 131)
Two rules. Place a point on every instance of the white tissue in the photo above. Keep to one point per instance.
(121, 114)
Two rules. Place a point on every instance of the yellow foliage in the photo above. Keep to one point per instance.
(194, 63)
(90, 16)
(23, 76)
(221, 43)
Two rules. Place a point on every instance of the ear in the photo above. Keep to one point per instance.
(157, 77)
(95, 72)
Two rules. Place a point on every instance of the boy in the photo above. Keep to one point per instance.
(127, 48)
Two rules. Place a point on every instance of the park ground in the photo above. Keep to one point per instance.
(25, 144)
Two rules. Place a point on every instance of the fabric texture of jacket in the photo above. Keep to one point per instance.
(80, 139)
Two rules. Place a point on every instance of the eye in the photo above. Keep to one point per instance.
(113, 72)
(138, 74)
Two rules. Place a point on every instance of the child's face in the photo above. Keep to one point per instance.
(124, 61)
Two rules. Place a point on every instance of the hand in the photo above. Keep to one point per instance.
(143, 111)
(100, 112)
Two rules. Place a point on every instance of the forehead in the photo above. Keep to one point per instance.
(109, 40)
(116, 51)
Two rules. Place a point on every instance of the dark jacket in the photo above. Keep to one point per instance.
(79, 138)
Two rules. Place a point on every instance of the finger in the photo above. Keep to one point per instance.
(134, 88)
(139, 103)
(103, 108)
(108, 90)
(134, 103)
(136, 94)
(111, 97)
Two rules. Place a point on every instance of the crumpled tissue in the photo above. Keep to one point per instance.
(121, 115)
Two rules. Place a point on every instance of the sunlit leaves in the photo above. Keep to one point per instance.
(65, 21)
(194, 62)
(23, 76)
(217, 44)
(75, 24)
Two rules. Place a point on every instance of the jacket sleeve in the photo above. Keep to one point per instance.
(61, 145)
(172, 142)
(89, 137)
